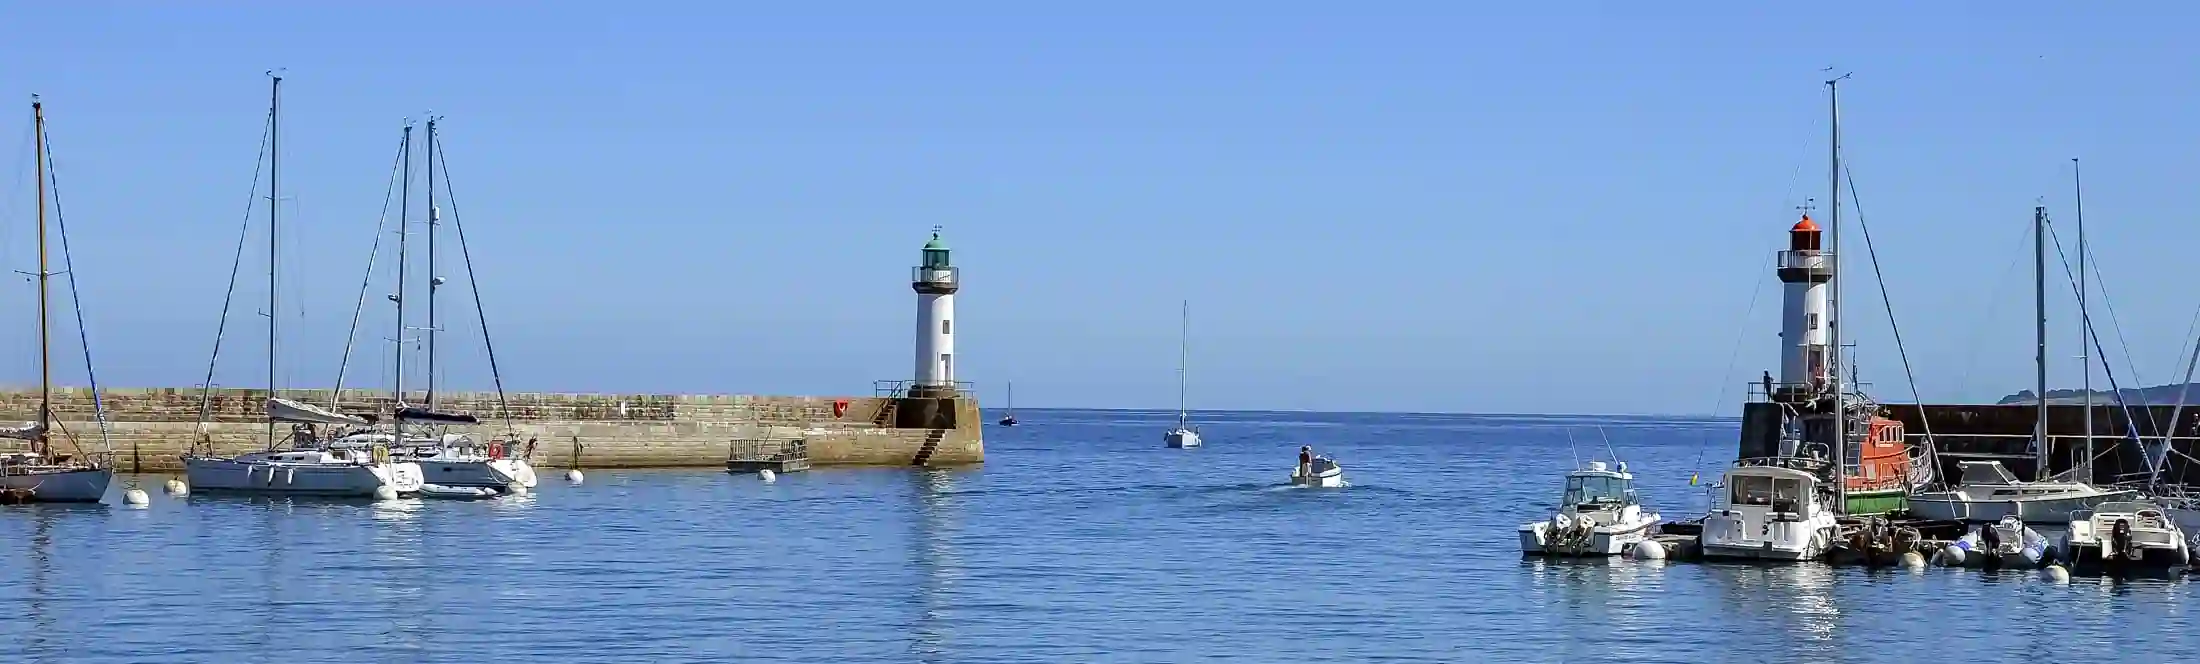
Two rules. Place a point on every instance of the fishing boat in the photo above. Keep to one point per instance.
(1599, 515)
(1322, 472)
(1010, 420)
(1771, 510)
(301, 463)
(39, 472)
(1183, 436)
(2126, 535)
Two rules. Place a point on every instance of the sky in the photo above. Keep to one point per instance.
(1456, 207)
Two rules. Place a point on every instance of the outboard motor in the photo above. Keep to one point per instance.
(2120, 536)
(1989, 539)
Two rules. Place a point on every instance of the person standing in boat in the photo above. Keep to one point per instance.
(1306, 460)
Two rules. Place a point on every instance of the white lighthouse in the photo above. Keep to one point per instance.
(935, 280)
(1804, 347)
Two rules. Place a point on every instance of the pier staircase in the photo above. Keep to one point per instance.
(931, 445)
(884, 418)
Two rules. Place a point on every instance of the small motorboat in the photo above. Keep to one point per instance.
(1322, 472)
(2010, 544)
(1598, 516)
(2128, 535)
(442, 492)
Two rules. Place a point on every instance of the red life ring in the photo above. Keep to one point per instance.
(496, 450)
(840, 407)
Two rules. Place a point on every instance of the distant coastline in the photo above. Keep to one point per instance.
(2160, 395)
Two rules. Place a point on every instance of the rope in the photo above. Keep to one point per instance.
(76, 305)
(2117, 325)
(244, 230)
(381, 221)
(473, 284)
(2131, 426)
(1856, 200)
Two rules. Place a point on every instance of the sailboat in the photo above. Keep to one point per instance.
(47, 475)
(307, 466)
(422, 434)
(1183, 436)
(1988, 492)
(1010, 420)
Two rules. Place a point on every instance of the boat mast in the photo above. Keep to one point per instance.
(433, 280)
(1833, 319)
(44, 443)
(2039, 307)
(2085, 318)
(274, 202)
(404, 206)
(1183, 356)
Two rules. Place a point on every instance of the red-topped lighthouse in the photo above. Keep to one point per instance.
(1805, 346)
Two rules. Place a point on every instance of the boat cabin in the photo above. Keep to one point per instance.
(1771, 489)
(1594, 485)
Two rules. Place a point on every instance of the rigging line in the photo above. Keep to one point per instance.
(76, 305)
(1741, 335)
(244, 231)
(381, 222)
(1993, 300)
(2100, 283)
(1872, 251)
(451, 194)
(2131, 425)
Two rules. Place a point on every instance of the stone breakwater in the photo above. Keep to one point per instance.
(150, 428)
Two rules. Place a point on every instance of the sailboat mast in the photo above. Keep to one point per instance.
(433, 280)
(1183, 357)
(1833, 320)
(404, 207)
(274, 203)
(45, 351)
(2085, 318)
(2039, 307)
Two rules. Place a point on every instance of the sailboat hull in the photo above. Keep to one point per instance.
(483, 472)
(1181, 439)
(78, 485)
(259, 477)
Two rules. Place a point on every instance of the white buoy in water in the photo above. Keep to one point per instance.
(767, 475)
(1649, 550)
(176, 487)
(1913, 560)
(2055, 574)
(385, 492)
(136, 497)
(573, 476)
(1949, 557)
(516, 489)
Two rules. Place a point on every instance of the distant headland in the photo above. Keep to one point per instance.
(2160, 395)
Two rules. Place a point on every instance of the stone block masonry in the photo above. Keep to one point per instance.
(152, 427)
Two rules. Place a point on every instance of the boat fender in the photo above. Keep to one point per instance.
(1913, 560)
(1951, 556)
(1649, 550)
(573, 476)
(767, 475)
(136, 497)
(385, 492)
(176, 487)
(2055, 574)
(381, 455)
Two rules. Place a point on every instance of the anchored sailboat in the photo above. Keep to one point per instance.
(44, 473)
(306, 466)
(1183, 435)
(1010, 420)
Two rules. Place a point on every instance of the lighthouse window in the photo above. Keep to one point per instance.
(1814, 321)
(945, 328)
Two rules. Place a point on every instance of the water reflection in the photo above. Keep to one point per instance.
(1797, 599)
(935, 560)
(41, 541)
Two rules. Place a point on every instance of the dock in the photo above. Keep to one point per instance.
(778, 456)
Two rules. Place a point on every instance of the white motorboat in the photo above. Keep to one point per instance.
(1769, 511)
(1183, 436)
(1988, 493)
(442, 492)
(52, 480)
(2126, 534)
(1599, 515)
(1322, 472)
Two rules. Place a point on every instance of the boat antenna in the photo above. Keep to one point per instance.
(1571, 447)
(274, 202)
(1608, 444)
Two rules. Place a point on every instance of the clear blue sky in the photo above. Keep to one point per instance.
(1399, 206)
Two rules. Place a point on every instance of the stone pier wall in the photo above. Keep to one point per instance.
(151, 427)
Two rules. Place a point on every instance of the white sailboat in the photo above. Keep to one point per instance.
(1010, 419)
(1183, 436)
(307, 466)
(1599, 515)
(1986, 492)
(45, 474)
(423, 435)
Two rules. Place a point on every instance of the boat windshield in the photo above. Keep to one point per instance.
(1782, 494)
(1585, 490)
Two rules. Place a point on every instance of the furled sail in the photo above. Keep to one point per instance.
(439, 417)
(285, 410)
(29, 431)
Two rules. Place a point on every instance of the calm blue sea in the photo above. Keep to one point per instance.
(1081, 540)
